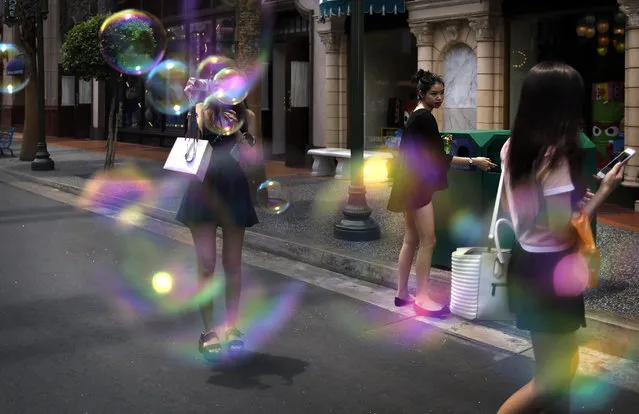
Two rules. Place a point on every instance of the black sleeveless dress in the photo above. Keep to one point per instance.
(224, 197)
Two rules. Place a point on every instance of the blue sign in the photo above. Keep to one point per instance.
(15, 67)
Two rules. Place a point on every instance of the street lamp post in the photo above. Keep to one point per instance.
(42, 161)
(356, 225)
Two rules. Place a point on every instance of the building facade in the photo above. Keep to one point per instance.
(483, 49)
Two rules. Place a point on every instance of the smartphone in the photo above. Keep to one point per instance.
(623, 157)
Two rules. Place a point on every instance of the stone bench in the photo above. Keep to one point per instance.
(324, 161)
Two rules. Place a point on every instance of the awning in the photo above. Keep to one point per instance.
(329, 8)
(15, 67)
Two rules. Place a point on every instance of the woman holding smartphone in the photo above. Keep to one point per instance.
(542, 167)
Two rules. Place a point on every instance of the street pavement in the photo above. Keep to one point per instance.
(81, 330)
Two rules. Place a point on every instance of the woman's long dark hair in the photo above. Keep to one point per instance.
(549, 117)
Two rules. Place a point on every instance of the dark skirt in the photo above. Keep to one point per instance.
(533, 297)
(223, 198)
(412, 191)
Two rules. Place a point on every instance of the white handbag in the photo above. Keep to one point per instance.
(478, 282)
(190, 155)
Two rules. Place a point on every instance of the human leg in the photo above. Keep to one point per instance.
(556, 362)
(406, 255)
(424, 221)
(204, 239)
(233, 239)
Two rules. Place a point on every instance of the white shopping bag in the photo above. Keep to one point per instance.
(190, 156)
(478, 288)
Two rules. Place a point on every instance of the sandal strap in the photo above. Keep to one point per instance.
(208, 336)
(234, 332)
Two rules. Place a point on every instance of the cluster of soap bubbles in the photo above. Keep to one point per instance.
(133, 42)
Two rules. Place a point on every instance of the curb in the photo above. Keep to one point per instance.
(606, 333)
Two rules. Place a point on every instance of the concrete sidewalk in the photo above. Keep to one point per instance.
(304, 233)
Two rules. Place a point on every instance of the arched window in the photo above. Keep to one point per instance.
(460, 75)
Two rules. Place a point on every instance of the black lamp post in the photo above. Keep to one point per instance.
(42, 161)
(356, 225)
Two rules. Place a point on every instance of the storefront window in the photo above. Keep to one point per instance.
(200, 42)
(388, 92)
(132, 103)
(225, 36)
(589, 42)
(178, 49)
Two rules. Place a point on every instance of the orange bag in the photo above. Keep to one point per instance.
(587, 247)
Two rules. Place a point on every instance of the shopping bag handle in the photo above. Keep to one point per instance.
(191, 149)
(493, 221)
(500, 253)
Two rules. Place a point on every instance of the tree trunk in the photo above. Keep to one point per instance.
(109, 160)
(248, 30)
(30, 132)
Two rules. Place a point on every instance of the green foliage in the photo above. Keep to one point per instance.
(133, 43)
(80, 53)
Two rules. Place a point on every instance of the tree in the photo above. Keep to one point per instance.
(248, 16)
(81, 56)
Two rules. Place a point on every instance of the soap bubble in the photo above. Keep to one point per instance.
(212, 65)
(223, 119)
(272, 197)
(230, 87)
(16, 68)
(165, 88)
(132, 41)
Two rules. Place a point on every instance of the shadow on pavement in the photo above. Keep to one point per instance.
(250, 370)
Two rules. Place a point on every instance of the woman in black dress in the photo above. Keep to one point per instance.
(421, 171)
(543, 187)
(222, 200)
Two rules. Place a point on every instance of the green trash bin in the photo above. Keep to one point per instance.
(463, 211)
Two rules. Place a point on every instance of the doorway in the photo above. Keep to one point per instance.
(291, 101)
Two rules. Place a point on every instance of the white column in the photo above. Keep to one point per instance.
(319, 90)
(52, 44)
(331, 41)
(423, 33)
(485, 72)
(631, 117)
(499, 79)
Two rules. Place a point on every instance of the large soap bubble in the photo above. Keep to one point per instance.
(223, 119)
(230, 87)
(165, 88)
(15, 68)
(132, 41)
(212, 65)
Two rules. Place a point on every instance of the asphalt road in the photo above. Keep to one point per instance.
(82, 331)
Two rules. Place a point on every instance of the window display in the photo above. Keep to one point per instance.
(225, 36)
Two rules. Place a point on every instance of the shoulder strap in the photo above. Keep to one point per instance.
(500, 187)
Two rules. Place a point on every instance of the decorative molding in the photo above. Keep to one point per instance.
(423, 33)
(444, 10)
(452, 29)
(631, 9)
(331, 41)
(305, 8)
(483, 28)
